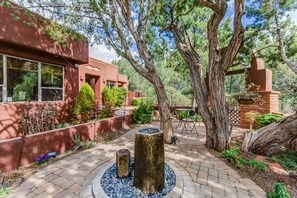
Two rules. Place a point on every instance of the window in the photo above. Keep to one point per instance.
(1, 78)
(51, 82)
(22, 80)
(110, 84)
(26, 80)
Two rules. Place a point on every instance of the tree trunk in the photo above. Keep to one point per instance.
(272, 138)
(164, 109)
(219, 140)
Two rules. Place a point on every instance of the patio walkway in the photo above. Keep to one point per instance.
(203, 175)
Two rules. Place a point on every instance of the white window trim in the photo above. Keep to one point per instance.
(39, 92)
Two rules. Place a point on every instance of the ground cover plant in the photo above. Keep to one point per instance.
(280, 191)
(260, 172)
(288, 159)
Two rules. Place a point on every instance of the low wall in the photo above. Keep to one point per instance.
(58, 140)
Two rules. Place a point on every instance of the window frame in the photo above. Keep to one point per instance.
(111, 82)
(39, 75)
(55, 88)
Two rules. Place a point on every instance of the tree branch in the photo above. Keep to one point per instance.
(230, 52)
(291, 63)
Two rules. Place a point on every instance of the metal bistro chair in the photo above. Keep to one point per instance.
(187, 120)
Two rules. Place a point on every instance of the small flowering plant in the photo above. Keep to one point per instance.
(41, 159)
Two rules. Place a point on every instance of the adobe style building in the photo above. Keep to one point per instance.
(100, 74)
(34, 68)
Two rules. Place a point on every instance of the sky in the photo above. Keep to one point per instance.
(108, 55)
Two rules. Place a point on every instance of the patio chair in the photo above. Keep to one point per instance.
(185, 122)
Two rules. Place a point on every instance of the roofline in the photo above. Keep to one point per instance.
(102, 61)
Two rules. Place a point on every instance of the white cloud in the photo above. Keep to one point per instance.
(102, 53)
(293, 16)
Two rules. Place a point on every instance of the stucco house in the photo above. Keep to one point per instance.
(33, 67)
(100, 74)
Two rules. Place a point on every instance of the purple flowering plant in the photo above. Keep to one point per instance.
(42, 159)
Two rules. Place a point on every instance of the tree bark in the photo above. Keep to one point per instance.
(164, 109)
(272, 138)
(212, 107)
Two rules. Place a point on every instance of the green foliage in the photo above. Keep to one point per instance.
(288, 159)
(280, 191)
(25, 90)
(253, 163)
(230, 155)
(4, 192)
(121, 96)
(185, 114)
(110, 96)
(136, 102)
(143, 114)
(63, 125)
(251, 117)
(267, 119)
(81, 144)
(84, 103)
(105, 112)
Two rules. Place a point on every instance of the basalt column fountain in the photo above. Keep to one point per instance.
(149, 160)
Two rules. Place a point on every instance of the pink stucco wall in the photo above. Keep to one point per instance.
(59, 140)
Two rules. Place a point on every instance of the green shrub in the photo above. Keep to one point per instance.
(137, 102)
(106, 112)
(143, 114)
(121, 96)
(288, 159)
(280, 191)
(84, 103)
(267, 119)
(110, 96)
(230, 155)
(134, 102)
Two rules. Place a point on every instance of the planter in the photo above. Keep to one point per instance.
(247, 98)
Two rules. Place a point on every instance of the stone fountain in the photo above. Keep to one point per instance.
(145, 175)
(149, 160)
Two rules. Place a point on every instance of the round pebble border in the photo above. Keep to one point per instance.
(115, 187)
(107, 185)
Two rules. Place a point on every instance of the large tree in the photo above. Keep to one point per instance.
(179, 16)
(123, 25)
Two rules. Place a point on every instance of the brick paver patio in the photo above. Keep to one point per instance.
(203, 175)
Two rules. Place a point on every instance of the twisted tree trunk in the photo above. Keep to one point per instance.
(272, 138)
(164, 108)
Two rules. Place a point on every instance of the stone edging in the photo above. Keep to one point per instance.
(98, 191)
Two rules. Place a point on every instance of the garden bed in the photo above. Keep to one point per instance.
(263, 178)
(59, 141)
